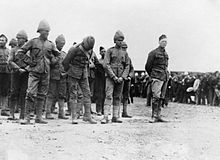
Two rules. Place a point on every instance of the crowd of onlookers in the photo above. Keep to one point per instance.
(183, 87)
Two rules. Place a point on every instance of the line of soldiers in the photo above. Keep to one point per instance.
(36, 73)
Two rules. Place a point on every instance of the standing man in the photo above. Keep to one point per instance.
(156, 67)
(127, 85)
(100, 83)
(4, 73)
(117, 68)
(19, 76)
(76, 64)
(57, 86)
(42, 53)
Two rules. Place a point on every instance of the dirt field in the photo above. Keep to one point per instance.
(193, 133)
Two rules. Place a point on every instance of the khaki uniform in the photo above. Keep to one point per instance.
(116, 65)
(76, 64)
(19, 81)
(42, 54)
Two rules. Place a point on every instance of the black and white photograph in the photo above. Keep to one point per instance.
(109, 80)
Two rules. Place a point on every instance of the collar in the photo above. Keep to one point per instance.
(162, 49)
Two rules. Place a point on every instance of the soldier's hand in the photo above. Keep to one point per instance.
(120, 80)
(129, 78)
(115, 78)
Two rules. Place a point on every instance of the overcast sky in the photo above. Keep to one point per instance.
(192, 26)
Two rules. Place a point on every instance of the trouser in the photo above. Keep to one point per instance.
(19, 83)
(38, 84)
(73, 87)
(158, 90)
(57, 89)
(126, 95)
(113, 96)
(4, 90)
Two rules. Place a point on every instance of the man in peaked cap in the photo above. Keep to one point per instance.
(19, 76)
(57, 86)
(42, 54)
(156, 67)
(76, 63)
(116, 64)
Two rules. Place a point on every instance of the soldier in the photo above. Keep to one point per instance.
(4, 73)
(117, 69)
(91, 73)
(127, 85)
(13, 43)
(19, 75)
(156, 67)
(76, 63)
(100, 83)
(42, 53)
(57, 86)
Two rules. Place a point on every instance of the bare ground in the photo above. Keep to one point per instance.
(192, 133)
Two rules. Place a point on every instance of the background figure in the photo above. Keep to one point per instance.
(127, 85)
(99, 91)
(13, 43)
(91, 72)
(19, 76)
(57, 86)
(4, 75)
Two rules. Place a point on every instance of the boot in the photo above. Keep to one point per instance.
(73, 112)
(68, 112)
(22, 107)
(79, 110)
(87, 115)
(105, 120)
(48, 108)
(61, 114)
(158, 114)
(125, 113)
(12, 110)
(27, 109)
(5, 106)
(39, 108)
(115, 118)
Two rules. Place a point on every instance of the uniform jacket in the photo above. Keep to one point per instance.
(42, 54)
(157, 64)
(19, 60)
(76, 62)
(57, 69)
(116, 63)
(4, 54)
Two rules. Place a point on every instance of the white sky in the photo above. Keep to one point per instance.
(192, 26)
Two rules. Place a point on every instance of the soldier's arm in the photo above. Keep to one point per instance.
(148, 65)
(68, 58)
(126, 67)
(131, 73)
(107, 65)
(26, 47)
